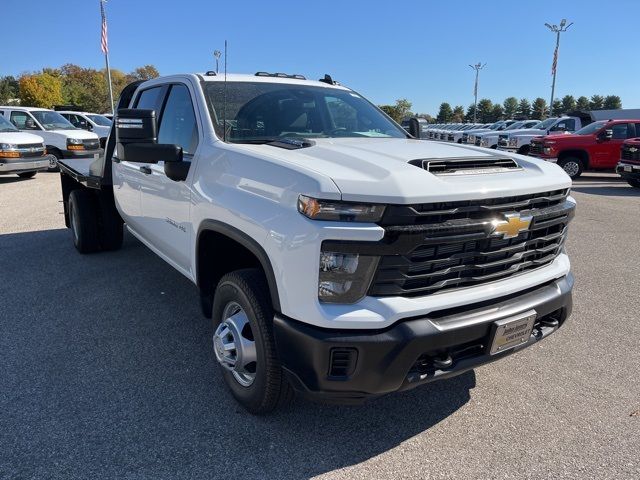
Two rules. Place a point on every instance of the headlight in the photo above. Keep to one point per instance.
(513, 142)
(74, 144)
(9, 150)
(484, 142)
(344, 277)
(339, 211)
(7, 146)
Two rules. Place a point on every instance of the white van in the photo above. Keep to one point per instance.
(98, 124)
(61, 139)
(21, 153)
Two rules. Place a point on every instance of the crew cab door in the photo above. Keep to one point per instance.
(165, 202)
(606, 152)
(128, 176)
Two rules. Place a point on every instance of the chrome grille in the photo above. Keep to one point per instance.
(450, 245)
(536, 148)
(91, 144)
(630, 153)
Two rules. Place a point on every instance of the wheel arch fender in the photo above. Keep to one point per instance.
(578, 153)
(242, 239)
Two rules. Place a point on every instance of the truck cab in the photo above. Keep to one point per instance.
(21, 153)
(61, 138)
(595, 147)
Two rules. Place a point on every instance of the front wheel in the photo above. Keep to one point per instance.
(54, 156)
(243, 342)
(572, 166)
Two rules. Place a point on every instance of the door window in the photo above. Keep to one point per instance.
(23, 121)
(178, 123)
(569, 125)
(620, 131)
(637, 134)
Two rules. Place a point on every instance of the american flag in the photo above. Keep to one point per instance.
(104, 43)
(555, 62)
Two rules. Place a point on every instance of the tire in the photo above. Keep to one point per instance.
(260, 388)
(110, 227)
(27, 174)
(83, 218)
(634, 182)
(56, 153)
(572, 166)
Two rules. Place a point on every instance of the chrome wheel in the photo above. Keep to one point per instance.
(234, 344)
(53, 161)
(571, 168)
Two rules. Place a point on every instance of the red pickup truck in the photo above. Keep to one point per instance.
(596, 146)
(629, 166)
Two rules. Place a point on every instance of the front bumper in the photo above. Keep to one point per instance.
(628, 170)
(81, 153)
(22, 165)
(351, 366)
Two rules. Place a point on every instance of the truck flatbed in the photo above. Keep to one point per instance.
(87, 171)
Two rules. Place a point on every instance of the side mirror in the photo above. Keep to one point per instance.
(29, 124)
(607, 134)
(87, 126)
(134, 126)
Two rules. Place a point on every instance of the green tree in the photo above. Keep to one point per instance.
(539, 108)
(399, 111)
(40, 90)
(497, 113)
(524, 108)
(9, 89)
(596, 102)
(445, 113)
(469, 115)
(485, 108)
(568, 103)
(558, 108)
(582, 103)
(458, 114)
(510, 107)
(612, 102)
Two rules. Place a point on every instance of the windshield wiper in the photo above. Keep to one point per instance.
(287, 143)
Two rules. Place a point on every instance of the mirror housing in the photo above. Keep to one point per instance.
(151, 153)
(134, 126)
(607, 134)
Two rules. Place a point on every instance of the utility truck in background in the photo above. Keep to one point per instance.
(336, 256)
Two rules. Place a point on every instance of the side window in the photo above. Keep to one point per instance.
(19, 119)
(570, 125)
(178, 123)
(149, 99)
(619, 131)
(637, 134)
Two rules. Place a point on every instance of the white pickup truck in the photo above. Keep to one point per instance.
(338, 257)
(520, 140)
(21, 153)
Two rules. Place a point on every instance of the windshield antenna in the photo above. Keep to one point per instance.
(224, 111)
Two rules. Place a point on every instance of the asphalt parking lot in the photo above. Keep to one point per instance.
(107, 371)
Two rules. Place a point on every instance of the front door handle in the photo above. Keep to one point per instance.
(145, 170)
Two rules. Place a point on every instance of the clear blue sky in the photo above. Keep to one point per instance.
(420, 51)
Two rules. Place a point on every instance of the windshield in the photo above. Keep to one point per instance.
(496, 125)
(591, 128)
(262, 112)
(100, 120)
(514, 126)
(545, 124)
(6, 125)
(52, 120)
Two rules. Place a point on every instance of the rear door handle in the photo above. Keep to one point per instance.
(145, 170)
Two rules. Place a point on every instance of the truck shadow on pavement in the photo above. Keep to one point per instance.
(109, 373)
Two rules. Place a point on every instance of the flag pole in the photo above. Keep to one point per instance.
(105, 49)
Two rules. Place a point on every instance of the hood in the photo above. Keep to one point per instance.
(19, 138)
(532, 131)
(565, 137)
(378, 170)
(79, 134)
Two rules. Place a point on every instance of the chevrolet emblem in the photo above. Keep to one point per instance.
(512, 226)
(633, 149)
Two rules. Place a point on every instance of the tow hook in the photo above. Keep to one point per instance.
(443, 362)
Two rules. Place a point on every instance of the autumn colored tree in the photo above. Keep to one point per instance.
(40, 90)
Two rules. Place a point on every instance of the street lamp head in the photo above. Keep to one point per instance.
(563, 22)
(217, 53)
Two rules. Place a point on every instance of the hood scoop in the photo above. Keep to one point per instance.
(467, 165)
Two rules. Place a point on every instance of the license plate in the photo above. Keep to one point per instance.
(628, 168)
(511, 332)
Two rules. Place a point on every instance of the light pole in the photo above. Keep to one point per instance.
(554, 67)
(477, 67)
(217, 54)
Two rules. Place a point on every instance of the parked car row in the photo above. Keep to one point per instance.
(60, 137)
(577, 143)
